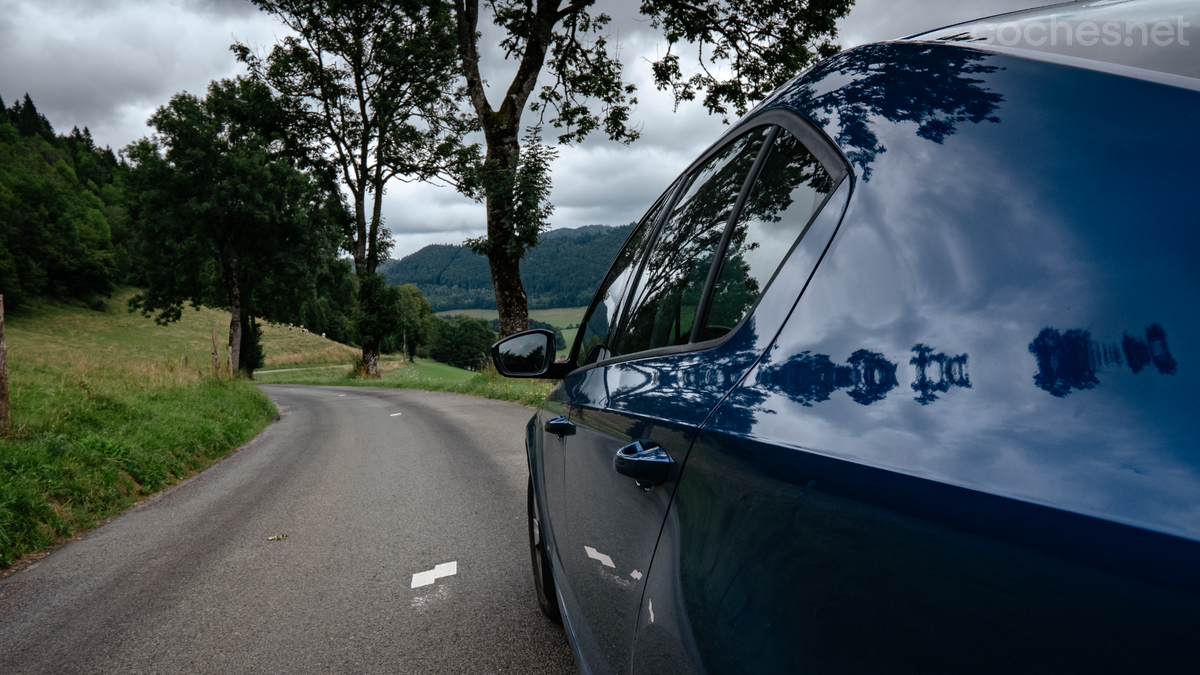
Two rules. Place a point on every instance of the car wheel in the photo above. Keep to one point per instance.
(543, 579)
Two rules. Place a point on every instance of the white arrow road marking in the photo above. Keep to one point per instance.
(596, 555)
(393, 414)
(427, 578)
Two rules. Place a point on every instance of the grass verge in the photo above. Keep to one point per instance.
(423, 374)
(103, 417)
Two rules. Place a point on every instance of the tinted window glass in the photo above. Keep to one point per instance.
(668, 291)
(789, 190)
(595, 332)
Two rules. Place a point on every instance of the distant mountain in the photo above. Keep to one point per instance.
(562, 271)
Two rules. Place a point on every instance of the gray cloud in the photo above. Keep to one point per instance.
(107, 64)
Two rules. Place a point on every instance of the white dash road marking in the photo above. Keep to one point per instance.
(439, 571)
(341, 394)
(651, 611)
(596, 555)
(636, 575)
(393, 414)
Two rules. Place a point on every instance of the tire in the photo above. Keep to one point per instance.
(543, 578)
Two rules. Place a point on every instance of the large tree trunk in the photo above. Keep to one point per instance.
(370, 359)
(370, 352)
(235, 317)
(501, 130)
(511, 302)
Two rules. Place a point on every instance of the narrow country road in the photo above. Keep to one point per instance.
(370, 486)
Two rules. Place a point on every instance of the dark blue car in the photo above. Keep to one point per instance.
(899, 375)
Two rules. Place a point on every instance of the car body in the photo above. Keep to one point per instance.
(930, 411)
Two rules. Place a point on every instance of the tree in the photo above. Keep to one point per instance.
(415, 318)
(225, 216)
(462, 342)
(60, 211)
(370, 87)
(760, 43)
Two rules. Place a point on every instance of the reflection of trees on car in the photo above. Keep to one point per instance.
(929, 87)
(1070, 359)
(788, 191)
(668, 294)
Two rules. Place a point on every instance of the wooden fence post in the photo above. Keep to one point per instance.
(216, 354)
(5, 416)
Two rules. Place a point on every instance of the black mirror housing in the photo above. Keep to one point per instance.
(529, 353)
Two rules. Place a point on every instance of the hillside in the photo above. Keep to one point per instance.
(563, 271)
(107, 408)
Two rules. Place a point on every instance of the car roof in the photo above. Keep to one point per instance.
(1157, 36)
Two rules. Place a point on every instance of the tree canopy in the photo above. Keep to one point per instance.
(63, 222)
(369, 89)
(227, 219)
(758, 44)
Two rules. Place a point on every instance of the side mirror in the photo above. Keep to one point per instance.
(527, 354)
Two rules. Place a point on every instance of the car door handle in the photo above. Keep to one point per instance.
(560, 426)
(645, 462)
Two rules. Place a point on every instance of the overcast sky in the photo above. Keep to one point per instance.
(107, 64)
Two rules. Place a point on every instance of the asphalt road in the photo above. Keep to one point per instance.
(371, 486)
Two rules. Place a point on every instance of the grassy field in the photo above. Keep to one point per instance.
(120, 335)
(559, 318)
(108, 408)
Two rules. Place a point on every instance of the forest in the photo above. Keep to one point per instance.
(78, 221)
(562, 271)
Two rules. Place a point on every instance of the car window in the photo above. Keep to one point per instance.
(789, 190)
(595, 331)
(668, 290)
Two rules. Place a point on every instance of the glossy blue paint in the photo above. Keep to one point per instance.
(957, 433)
(973, 446)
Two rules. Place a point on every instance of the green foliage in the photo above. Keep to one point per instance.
(462, 342)
(62, 477)
(563, 271)
(744, 48)
(417, 322)
(524, 189)
(582, 70)
(93, 436)
(378, 314)
(225, 217)
(369, 92)
(252, 355)
(329, 307)
(62, 211)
